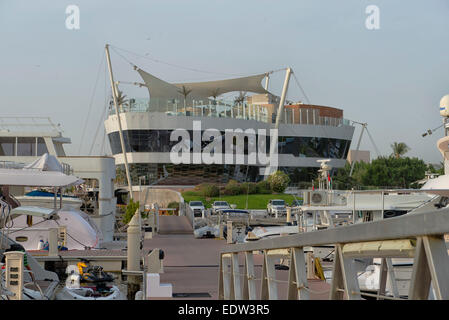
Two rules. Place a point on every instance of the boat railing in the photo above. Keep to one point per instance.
(418, 236)
(28, 124)
(66, 168)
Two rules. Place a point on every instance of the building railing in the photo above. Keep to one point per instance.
(419, 236)
(228, 109)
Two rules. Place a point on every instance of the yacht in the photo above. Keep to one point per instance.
(25, 139)
(30, 225)
(22, 277)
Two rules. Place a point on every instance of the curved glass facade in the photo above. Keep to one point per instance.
(159, 141)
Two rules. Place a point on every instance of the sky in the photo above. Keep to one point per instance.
(391, 78)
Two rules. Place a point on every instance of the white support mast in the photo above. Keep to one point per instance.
(267, 81)
(358, 146)
(122, 142)
(274, 138)
(283, 96)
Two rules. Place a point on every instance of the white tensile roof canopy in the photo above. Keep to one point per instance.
(160, 89)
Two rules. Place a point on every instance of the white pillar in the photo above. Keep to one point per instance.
(134, 235)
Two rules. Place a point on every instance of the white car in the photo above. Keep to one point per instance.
(197, 208)
(219, 205)
(277, 207)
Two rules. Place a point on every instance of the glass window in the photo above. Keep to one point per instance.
(41, 147)
(7, 146)
(159, 141)
(26, 146)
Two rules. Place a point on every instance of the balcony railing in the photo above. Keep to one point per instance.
(228, 109)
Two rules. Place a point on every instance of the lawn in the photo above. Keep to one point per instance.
(255, 201)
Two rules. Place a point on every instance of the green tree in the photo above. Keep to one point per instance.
(278, 181)
(394, 172)
(432, 169)
(399, 149)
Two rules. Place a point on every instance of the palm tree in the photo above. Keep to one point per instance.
(185, 92)
(214, 94)
(241, 97)
(399, 149)
(121, 100)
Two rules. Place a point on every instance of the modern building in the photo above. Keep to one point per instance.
(359, 156)
(306, 132)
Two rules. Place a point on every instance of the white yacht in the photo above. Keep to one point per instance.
(30, 225)
(26, 139)
(21, 276)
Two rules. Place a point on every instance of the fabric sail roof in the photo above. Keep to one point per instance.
(160, 89)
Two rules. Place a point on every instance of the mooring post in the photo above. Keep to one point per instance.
(289, 214)
(133, 254)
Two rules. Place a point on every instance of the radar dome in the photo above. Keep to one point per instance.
(444, 106)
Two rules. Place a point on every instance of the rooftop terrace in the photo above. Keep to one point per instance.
(293, 114)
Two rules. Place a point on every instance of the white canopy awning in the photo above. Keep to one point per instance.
(160, 89)
(43, 172)
(36, 178)
(33, 211)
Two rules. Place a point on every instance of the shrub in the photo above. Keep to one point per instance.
(209, 190)
(232, 188)
(130, 210)
(248, 187)
(263, 187)
(278, 181)
(173, 204)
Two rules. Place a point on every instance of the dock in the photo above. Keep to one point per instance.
(192, 265)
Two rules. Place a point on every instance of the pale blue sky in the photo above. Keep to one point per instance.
(392, 78)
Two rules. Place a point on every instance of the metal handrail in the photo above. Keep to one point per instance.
(429, 253)
(420, 224)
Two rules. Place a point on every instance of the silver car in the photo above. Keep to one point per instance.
(219, 205)
(276, 207)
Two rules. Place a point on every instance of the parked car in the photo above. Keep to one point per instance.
(197, 208)
(219, 205)
(276, 206)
